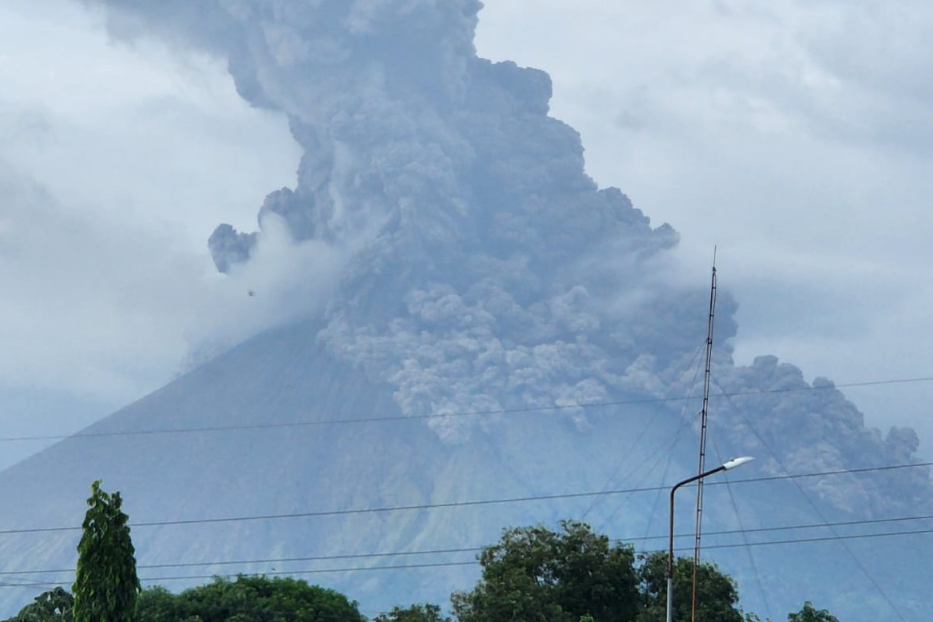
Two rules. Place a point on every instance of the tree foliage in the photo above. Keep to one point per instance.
(52, 606)
(415, 613)
(811, 614)
(537, 575)
(249, 599)
(532, 574)
(106, 586)
(717, 595)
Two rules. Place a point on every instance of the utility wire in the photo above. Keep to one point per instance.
(271, 574)
(821, 539)
(814, 507)
(477, 413)
(456, 504)
(729, 532)
(476, 562)
(751, 555)
(684, 422)
(669, 451)
(477, 549)
(627, 455)
(644, 466)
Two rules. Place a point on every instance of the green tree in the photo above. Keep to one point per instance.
(248, 599)
(537, 575)
(157, 604)
(810, 614)
(52, 606)
(106, 586)
(717, 595)
(416, 613)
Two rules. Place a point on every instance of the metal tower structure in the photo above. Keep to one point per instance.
(703, 427)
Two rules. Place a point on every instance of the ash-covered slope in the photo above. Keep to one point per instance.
(481, 270)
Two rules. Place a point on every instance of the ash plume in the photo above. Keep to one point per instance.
(485, 269)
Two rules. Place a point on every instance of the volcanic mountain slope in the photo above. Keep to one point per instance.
(240, 455)
(473, 267)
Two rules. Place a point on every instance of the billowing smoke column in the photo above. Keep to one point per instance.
(486, 268)
(478, 276)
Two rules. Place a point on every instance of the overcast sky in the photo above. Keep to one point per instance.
(796, 136)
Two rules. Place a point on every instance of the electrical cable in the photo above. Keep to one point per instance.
(684, 421)
(477, 549)
(814, 507)
(476, 562)
(455, 504)
(478, 413)
(629, 453)
(651, 468)
(751, 555)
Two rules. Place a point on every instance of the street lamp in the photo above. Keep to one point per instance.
(731, 464)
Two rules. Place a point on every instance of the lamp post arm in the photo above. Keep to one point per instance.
(731, 464)
(670, 553)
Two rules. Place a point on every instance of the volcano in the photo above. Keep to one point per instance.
(502, 344)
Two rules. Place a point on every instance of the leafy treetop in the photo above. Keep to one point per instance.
(537, 575)
(106, 586)
(52, 606)
(811, 614)
(248, 599)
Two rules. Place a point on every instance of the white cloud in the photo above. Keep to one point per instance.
(133, 128)
(116, 163)
(107, 310)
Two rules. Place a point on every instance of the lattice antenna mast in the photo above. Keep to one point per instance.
(703, 426)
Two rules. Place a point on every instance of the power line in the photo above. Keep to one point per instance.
(457, 504)
(280, 560)
(821, 539)
(751, 555)
(852, 523)
(629, 453)
(660, 455)
(477, 413)
(816, 510)
(668, 451)
(273, 573)
(321, 513)
(476, 562)
(476, 549)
